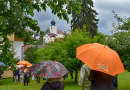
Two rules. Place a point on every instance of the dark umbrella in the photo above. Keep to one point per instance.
(2, 64)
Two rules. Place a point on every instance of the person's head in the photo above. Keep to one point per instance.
(51, 80)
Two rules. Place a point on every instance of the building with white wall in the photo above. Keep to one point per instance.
(53, 32)
(17, 44)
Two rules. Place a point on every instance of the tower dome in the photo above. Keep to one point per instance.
(53, 22)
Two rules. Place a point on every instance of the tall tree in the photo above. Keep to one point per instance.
(87, 17)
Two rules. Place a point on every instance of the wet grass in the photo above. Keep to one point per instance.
(8, 84)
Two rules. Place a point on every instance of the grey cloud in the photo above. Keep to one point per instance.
(103, 7)
(106, 17)
(44, 20)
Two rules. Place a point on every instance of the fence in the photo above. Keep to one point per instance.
(7, 74)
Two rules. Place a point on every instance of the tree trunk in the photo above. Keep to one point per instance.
(76, 76)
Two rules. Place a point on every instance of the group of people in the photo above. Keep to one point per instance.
(95, 80)
(89, 80)
(23, 74)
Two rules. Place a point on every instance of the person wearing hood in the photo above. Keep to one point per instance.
(53, 84)
(83, 80)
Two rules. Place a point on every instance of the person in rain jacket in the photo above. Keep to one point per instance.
(83, 80)
(53, 84)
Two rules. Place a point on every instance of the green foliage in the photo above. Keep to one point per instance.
(120, 41)
(7, 55)
(64, 51)
(123, 23)
(14, 18)
(40, 41)
(29, 54)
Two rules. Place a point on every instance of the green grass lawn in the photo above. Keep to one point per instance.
(8, 84)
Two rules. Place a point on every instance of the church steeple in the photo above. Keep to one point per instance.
(53, 27)
(53, 22)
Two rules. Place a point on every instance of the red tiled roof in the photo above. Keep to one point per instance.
(52, 34)
(59, 32)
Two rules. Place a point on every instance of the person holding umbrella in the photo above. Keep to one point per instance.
(26, 72)
(53, 84)
(52, 71)
(26, 75)
(1, 72)
(100, 80)
(21, 75)
(104, 63)
(16, 73)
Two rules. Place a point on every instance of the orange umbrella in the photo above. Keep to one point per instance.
(29, 65)
(101, 58)
(23, 63)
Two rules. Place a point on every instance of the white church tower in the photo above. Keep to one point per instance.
(53, 27)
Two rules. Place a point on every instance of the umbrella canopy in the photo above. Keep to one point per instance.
(2, 64)
(23, 63)
(101, 58)
(29, 65)
(48, 69)
(19, 66)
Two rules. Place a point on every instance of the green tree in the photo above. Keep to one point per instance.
(120, 41)
(87, 16)
(123, 24)
(29, 54)
(40, 41)
(14, 17)
(64, 51)
(7, 54)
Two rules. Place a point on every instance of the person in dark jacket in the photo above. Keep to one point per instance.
(100, 80)
(115, 83)
(53, 84)
(1, 72)
(26, 76)
(16, 73)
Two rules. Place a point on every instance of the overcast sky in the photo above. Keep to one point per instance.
(103, 7)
